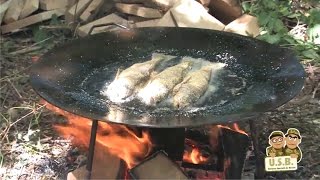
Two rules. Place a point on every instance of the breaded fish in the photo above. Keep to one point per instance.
(126, 81)
(192, 87)
(163, 83)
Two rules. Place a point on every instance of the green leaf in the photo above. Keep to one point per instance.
(270, 4)
(279, 26)
(273, 39)
(284, 11)
(294, 15)
(246, 6)
(55, 20)
(289, 39)
(40, 35)
(315, 16)
(263, 19)
(311, 53)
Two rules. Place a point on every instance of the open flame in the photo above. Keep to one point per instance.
(133, 146)
(234, 127)
(119, 140)
(194, 157)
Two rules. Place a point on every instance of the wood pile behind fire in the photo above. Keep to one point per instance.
(81, 15)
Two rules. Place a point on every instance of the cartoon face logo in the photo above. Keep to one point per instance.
(293, 139)
(285, 145)
(277, 142)
(284, 152)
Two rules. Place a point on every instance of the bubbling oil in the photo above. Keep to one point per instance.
(220, 74)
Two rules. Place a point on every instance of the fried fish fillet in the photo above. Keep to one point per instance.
(127, 81)
(163, 83)
(192, 87)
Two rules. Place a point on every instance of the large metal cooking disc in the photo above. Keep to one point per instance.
(72, 75)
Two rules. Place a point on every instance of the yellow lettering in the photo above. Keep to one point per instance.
(287, 161)
(279, 162)
(271, 161)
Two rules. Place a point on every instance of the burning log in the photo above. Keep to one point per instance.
(102, 169)
(235, 147)
(170, 140)
(199, 152)
(157, 166)
(217, 152)
(80, 173)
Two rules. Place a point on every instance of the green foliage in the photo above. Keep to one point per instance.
(274, 17)
(313, 17)
(40, 35)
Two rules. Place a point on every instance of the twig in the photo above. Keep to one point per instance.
(2, 87)
(75, 30)
(32, 46)
(55, 27)
(15, 75)
(74, 19)
(20, 173)
(26, 50)
(61, 141)
(8, 80)
(4, 99)
(28, 114)
(315, 90)
(314, 164)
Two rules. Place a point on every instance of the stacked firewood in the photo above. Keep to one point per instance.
(81, 15)
(17, 14)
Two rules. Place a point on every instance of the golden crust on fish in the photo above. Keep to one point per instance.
(129, 79)
(192, 88)
(162, 84)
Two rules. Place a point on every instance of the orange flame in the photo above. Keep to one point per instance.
(125, 144)
(193, 153)
(234, 127)
(119, 140)
(194, 157)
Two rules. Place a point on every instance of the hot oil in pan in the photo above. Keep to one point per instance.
(224, 85)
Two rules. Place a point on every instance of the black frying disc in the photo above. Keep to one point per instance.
(71, 76)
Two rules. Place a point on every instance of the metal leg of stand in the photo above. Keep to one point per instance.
(260, 171)
(94, 128)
